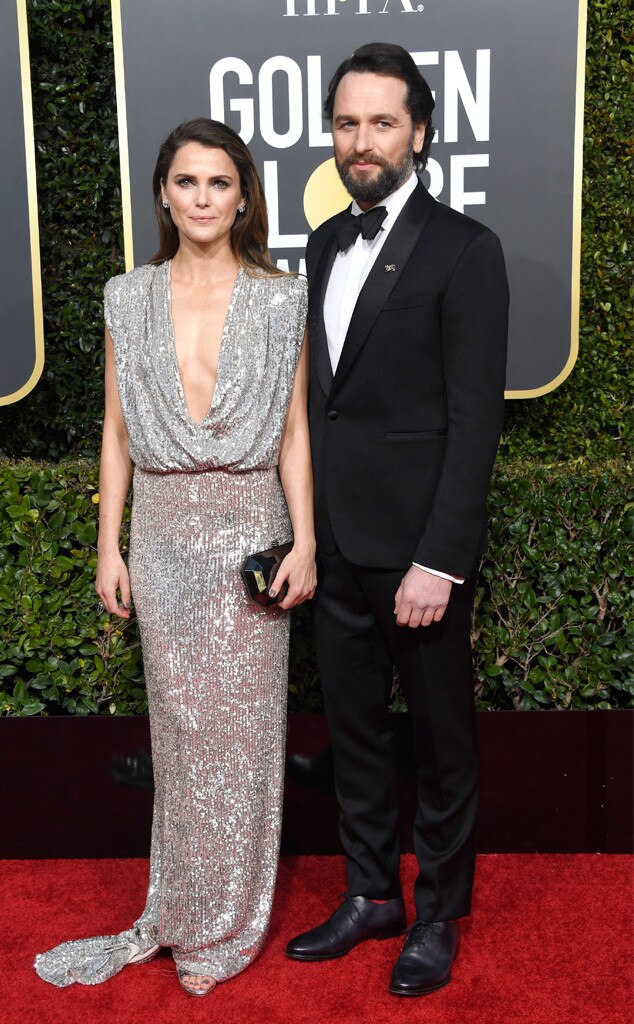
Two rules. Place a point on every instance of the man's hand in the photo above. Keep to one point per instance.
(421, 598)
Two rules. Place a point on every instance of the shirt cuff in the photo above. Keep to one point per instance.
(443, 575)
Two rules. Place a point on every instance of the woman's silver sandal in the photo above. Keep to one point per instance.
(138, 955)
(202, 986)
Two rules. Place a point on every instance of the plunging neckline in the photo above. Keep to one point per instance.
(223, 333)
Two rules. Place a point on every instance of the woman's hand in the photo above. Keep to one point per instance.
(299, 571)
(112, 575)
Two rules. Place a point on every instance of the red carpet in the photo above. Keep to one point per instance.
(549, 943)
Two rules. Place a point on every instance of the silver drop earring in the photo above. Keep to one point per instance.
(243, 208)
(166, 205)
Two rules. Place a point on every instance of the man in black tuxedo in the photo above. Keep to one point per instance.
(408, 324)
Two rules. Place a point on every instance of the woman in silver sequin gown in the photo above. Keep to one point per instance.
(205, 404)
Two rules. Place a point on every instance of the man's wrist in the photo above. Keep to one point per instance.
(437, 572)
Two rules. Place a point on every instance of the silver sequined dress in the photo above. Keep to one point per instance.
(205, 495)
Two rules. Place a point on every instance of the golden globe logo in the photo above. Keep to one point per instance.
(324, 195)
(278, 106)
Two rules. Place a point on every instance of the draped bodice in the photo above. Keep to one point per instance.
(259, 349)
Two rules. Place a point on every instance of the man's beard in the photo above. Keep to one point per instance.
(372, 190)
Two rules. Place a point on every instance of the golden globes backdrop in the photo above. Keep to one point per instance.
(508, 81)
(21, 324)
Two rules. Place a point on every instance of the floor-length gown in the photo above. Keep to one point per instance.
(205, 495)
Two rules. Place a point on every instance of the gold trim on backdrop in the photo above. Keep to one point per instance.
(31, 187)
(124, 158)
(577, 186)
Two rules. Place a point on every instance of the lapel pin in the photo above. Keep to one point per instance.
(390, 267)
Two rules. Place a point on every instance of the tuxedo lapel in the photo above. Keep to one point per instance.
(317, 328)
(384, 275)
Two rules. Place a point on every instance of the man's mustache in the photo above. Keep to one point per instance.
(346, 164)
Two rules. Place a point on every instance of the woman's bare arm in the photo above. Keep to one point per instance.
(115, 473)
(298, 568)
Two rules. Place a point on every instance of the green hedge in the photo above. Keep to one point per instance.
(552, 611)
(549, 621)
(80, 223)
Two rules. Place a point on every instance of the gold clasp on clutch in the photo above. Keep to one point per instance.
(259, 579)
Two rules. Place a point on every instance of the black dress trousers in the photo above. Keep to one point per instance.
(358, 642)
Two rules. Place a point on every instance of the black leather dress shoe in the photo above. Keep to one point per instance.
(133, 770)
(426, 958)
(313, 770)
(356, 920)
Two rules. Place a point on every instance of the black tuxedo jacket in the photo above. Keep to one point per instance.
(404, 437)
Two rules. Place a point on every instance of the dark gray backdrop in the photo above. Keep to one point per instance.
(506, 81)
(507, 63)
(21, 344)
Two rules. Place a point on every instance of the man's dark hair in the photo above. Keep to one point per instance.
(390, 60)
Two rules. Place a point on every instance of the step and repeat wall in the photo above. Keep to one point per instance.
(21, 321)
(508, 82)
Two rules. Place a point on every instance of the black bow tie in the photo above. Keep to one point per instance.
(367, 224)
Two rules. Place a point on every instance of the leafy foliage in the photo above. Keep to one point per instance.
(57, 653)
(553, 600)
(549, 622)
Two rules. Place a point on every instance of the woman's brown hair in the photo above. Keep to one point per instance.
(249, 233)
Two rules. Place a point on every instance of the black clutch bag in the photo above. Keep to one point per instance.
(258, 572)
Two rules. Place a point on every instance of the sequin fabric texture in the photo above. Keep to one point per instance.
(205, 495)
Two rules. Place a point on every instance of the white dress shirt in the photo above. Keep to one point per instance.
(347, 277)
